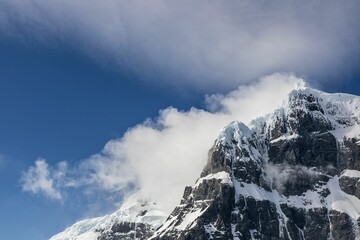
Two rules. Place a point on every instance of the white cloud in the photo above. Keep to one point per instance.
(109, 169)
(162, 156)
(170, 153)
(38, 179)
(203, 44)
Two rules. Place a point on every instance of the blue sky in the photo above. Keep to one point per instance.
(71, 82)
(47, 112)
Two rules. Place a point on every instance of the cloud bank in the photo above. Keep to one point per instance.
(161, 156)
(203, 44)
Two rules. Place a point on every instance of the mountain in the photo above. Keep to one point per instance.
(293, 174)
(137, 218)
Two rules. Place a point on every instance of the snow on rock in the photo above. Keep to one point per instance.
(336, 200)
(285, 137)
(351, 173)
(235, 131)
(136, 210)
(82, 230)
(189, 219)
(243, 162)
(301, 85)
(342, 202)
(341, 111)
(223, 176)
(248, 148)
(347, 132)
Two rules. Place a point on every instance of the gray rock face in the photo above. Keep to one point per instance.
(213, 200)
(350, 185)
(308, 149)
(349, 154)
(255, 219)
(342, 227)
(313, 146)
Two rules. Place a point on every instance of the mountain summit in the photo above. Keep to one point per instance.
(292, 174)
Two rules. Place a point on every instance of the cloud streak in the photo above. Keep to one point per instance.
(159, 157)
(204, 44)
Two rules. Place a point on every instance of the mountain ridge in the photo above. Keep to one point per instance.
(292, 174)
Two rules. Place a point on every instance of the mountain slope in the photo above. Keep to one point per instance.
(137, 218)
(293, 174)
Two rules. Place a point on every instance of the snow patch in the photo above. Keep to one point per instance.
(285, 137)
(189, 219)
(234, 131)
(301, 84)
(346, 132)
(223, 176)
(342, 202)
(351, 173)
(82, 230)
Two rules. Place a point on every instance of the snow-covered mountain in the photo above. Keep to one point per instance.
(136, 218)
(293, 174)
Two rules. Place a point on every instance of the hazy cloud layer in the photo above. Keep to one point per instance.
(166, 154)
(203, 44)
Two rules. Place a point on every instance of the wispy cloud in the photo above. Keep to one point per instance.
(165, 154)
(203, 44)
(39, 179)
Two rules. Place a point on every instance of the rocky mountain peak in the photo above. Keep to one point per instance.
(293, 174)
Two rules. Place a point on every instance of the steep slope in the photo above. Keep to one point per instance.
(137, 218)
(293, 174)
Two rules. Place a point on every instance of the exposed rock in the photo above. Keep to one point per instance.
(342, 227)
(349, 154)
(350, 185)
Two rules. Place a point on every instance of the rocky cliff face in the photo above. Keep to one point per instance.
(293, 174)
